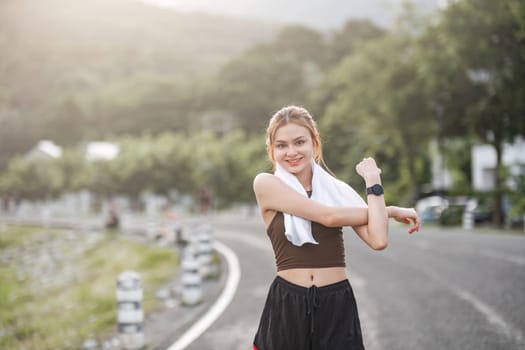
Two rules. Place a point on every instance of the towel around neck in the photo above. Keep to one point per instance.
(326, 190)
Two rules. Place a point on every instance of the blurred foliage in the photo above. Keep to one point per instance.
(375, 105)
(458, 152)
(517, 199)
(32, 179)
(159, 164)
(351, 37)
(474, 63)
(187, 97)
(452, 215)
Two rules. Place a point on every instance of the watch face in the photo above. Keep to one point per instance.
(376, 189)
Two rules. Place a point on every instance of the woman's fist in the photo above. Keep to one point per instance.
(367, 168)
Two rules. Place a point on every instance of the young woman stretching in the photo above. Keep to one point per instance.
(310, 304)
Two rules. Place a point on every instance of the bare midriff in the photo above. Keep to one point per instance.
(314, 276)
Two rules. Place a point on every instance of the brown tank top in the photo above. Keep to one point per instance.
(330, 252)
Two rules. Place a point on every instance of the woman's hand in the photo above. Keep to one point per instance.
(406, 216)
(368, 168)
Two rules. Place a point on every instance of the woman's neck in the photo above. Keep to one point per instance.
(305, 179)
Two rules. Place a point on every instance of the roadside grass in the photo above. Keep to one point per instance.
(48, 316)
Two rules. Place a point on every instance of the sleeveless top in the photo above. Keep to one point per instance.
(330, 252)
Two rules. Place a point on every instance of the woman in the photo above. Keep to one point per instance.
(310, 304)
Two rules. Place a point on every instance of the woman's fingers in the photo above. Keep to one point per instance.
(411, 217)
(415, 226)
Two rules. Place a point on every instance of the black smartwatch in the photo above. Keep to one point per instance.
(376, 189)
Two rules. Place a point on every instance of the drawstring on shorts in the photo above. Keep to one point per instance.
(312, 302)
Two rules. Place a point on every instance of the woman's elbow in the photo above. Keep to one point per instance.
(379, 245)
(380, 240)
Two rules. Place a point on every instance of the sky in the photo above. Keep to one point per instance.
(321, 14)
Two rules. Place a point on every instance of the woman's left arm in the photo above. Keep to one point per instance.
(375, 232)
(403, 215)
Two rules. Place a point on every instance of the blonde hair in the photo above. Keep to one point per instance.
(300, 116)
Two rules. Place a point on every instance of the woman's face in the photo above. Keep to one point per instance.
(293, 148)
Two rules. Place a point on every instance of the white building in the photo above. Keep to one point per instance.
(44, 149)
(484, 163)
(99, 150)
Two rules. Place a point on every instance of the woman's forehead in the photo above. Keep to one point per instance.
(291, 131)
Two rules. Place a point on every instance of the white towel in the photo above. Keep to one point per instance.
(326, 189)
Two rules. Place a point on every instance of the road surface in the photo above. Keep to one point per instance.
(437, 289)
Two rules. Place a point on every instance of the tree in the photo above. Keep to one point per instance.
(474, 58)
(256, 83)
(301, 43)
(355, 33)
(375, 104)
(33, 179)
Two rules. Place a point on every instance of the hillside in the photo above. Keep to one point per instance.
(73, 44)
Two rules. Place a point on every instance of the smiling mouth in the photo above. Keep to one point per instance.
(294, 161)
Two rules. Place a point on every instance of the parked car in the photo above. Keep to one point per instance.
(430, 208)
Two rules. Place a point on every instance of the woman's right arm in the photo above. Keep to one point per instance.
(273, 194)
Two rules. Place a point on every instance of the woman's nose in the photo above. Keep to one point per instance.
(291, 150)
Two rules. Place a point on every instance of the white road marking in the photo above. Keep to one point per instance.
(234, 276)
(490, 315)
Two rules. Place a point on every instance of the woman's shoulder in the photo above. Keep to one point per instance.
(266, 181)
(263, 176)
(263, 179)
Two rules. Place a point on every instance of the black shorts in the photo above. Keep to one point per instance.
(315, 318)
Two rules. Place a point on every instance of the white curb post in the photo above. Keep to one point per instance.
(468, 220)
(191, 279)
(205, 247)
(130, 314)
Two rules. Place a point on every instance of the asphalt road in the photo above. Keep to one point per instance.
(438, 289)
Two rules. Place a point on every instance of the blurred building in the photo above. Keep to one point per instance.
(484, 164)
(44, 149)
(95, 150)
(99, 150)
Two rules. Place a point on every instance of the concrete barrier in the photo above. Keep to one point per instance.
(205, 251)
(130, 315)
(191, 280)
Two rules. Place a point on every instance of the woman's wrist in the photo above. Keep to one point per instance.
(391, 211)
(372, 179)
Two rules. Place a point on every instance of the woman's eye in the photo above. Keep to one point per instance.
(280, 146)
(300, 142)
